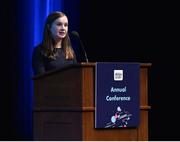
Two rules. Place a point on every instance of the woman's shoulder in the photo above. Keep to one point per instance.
(37, 48)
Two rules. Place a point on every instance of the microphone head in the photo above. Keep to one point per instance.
(75, 33)
(82, 46)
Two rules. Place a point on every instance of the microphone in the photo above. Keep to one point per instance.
(82, 45)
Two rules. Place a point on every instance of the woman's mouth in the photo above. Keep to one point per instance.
(62, 33)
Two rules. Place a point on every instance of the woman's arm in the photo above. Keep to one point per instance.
(37, 62)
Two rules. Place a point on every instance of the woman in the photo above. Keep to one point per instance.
(55, 51)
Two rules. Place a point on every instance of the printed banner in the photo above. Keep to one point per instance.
(117, 95)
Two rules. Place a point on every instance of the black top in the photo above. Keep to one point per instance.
(42, 64)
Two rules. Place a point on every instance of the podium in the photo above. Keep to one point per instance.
(64, 106)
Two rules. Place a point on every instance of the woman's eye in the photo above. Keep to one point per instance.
(66, 24)
(59, 24)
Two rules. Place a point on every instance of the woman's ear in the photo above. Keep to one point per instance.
(48, 27)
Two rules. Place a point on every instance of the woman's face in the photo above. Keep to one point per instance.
(59, 28)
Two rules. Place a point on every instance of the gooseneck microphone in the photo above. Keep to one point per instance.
(76, 34)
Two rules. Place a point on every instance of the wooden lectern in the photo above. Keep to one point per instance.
(64, 106)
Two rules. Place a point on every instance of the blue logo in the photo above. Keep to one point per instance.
(119, 119)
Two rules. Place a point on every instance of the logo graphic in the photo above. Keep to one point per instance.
(118, 75)
(119, 119)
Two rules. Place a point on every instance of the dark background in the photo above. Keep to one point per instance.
(143, 31)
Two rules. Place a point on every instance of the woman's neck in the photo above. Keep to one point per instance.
(58, 44)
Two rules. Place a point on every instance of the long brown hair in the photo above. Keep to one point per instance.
(48, 42)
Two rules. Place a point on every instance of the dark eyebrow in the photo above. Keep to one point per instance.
(62, 23)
